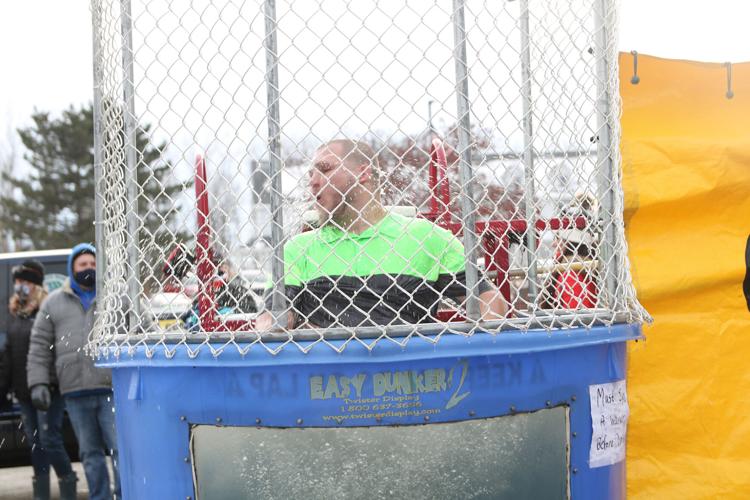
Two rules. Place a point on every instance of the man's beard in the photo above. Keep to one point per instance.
(342, 215)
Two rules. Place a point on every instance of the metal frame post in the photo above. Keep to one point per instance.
(468, 204)
(605, 163)
(101, 261)
(278, 308)
(131, 174)
(530, 239)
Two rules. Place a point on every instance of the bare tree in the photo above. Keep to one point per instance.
(405, 163)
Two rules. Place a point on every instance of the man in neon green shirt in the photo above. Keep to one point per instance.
(365, 266)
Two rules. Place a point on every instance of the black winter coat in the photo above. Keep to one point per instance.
(13, 359)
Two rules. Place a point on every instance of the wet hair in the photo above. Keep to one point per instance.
(355, 153)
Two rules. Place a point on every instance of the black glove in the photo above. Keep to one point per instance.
(41, 398)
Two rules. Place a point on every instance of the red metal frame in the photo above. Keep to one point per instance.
(210, 320)
(495, 234)
(205, 268)
(440, 189)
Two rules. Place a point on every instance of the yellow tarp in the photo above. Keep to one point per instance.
(686, 164)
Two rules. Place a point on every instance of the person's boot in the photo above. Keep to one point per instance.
(68, 486)
(40, 485)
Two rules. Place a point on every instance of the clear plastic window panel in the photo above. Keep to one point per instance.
(501, 457)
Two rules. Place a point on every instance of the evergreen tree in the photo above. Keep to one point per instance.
(53, 206)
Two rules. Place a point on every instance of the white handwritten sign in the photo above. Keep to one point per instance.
(609, 420)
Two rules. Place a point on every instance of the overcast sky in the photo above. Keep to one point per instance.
(46, 46)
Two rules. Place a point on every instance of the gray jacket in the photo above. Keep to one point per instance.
(59, 335)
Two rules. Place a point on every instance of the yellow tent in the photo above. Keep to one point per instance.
(686, 167)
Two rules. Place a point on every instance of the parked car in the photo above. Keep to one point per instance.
(14, 449)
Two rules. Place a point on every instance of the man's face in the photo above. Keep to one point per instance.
(331, 182)
(83, 262)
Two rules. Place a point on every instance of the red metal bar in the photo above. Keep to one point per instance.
(519, 226)
(433, 181)
(443, 185)
(204, 263)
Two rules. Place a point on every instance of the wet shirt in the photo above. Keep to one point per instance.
(392, 273)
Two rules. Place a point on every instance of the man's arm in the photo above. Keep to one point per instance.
(264, 321)
(452, 279)
(492, 305)
(41, 348)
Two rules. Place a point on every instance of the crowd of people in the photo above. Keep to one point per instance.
(46, 368)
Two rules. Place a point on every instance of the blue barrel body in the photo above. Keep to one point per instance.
(159, 398)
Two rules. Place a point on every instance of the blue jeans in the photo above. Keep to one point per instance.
(43, 431)
(93, 419)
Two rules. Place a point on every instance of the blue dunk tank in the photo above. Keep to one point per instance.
(530, 403)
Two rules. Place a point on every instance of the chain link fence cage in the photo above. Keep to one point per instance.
(273, 173)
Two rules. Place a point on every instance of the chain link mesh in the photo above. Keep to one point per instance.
(473, 181)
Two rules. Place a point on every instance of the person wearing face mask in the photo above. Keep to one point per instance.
(58, 338)
(43, 429)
